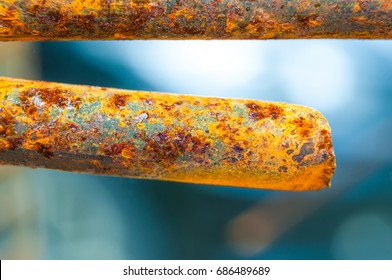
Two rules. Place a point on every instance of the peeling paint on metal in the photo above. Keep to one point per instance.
(204, 140)
(194, 19)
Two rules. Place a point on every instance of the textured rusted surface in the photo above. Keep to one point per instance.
(194, 19)
(218, 141)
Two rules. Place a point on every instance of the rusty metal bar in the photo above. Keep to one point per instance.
(218, 141)
(194, 19)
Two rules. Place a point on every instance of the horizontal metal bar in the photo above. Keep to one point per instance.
(218, 141)
(194, 19)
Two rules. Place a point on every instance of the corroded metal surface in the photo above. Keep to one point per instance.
(234, 142)
(194, 19)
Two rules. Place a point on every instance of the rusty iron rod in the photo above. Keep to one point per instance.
(205, 140)
(194, 19)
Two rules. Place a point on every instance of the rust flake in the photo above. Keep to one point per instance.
(283, 168)
(119, 101)
(7, 122)
(304, 126)
(44, 149)
(165, 147)
(258, 112)
(34, 98)
(306, 149)
(15, 142)
(125, 149)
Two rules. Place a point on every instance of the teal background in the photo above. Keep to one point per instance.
(47, 214)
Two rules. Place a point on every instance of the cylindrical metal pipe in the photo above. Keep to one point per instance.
(194, 19)
(218, 141)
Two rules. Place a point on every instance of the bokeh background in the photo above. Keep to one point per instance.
(48, 214)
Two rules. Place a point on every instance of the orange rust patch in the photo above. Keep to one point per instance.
(304, 126)
(117, 148)
(34, 98)
(258, 112)
(359, 19)
(119, 101)
(387, 6)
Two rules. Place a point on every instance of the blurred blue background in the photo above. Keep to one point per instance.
(56, 215)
